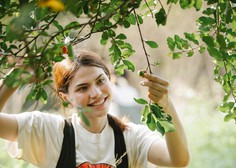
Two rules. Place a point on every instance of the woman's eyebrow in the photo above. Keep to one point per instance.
(83, 84)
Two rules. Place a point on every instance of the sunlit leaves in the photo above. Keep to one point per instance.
(154, 117)
(119, 51)
(34, 28)
(178, 46)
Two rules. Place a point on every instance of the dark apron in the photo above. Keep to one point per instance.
(67, 157)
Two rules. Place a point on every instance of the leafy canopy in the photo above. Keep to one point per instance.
(31, 31)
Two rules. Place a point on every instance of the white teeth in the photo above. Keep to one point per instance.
(98, 103)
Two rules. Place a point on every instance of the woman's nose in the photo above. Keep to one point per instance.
(95, 92)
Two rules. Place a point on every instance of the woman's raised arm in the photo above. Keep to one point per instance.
(8, 123)
(174, 152)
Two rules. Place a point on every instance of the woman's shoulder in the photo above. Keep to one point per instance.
(39, 114)
(139, 130)
(133, 127)
(38, 117)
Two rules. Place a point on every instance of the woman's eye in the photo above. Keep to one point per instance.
(101, 81)
(81, 89)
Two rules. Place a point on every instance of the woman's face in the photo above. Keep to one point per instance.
(90, 88)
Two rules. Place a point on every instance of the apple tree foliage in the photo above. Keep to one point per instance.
(32, 34)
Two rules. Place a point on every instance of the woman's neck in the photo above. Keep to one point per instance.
(96, 124)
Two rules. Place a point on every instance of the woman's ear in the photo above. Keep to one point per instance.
(63, 96)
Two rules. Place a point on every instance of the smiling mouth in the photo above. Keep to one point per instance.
(98, 103)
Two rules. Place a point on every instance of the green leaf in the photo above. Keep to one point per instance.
(209, 11)
(190, 53)
(184, 4)
(74, 25)
(191, 37)
(140, 19)
(209, 41)
(198, 4)
(171, 43)
(65, 104)
(152, 44)
(58, 58)
(43, 96)
(221, 40)
(70, 51)
(160, 128)
(168, 126)
(161, 17)
(111, 33)
(226, 107)
(176, 55)
(214, 53)
(121, 36)
(229, 16)
(155, 109)
(141, 101)
(151, 123)
(229, 117)
(206, 21)
(131, 19)
(120, 69)
(84, 118)
(126, 24)
(201, 49)
(129, 64)
(178, 42)
(144, 113)
(105, 35)
(57, 25)
(172, 1)
(103, 41)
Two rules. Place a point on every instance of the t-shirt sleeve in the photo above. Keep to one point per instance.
(40, 136)
(138, 141)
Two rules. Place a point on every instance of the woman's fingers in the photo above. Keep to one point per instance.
(153, 87)
(157, 87)
(155, 79)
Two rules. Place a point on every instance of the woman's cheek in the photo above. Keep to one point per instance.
(79, 100)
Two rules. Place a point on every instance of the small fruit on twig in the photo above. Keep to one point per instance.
(140, 73)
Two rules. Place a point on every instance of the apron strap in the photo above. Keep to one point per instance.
(120, 147)
(67, 156)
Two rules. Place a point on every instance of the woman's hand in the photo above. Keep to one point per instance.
(175, 152)
(157, 89)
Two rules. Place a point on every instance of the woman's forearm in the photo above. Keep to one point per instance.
(177, 141)
(5, 93)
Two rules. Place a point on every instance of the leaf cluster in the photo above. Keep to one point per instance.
(216, 35)
(154, 117)
(31, 30)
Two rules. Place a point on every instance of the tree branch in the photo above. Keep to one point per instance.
(142, 41)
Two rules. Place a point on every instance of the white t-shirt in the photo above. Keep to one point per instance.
(40, 137)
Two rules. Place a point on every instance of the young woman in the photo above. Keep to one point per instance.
(49, 141)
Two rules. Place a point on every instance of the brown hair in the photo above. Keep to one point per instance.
(64, 71)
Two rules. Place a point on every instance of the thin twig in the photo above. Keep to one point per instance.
(149, 8)
(36, 36)
(142, 41)
(161, 4)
